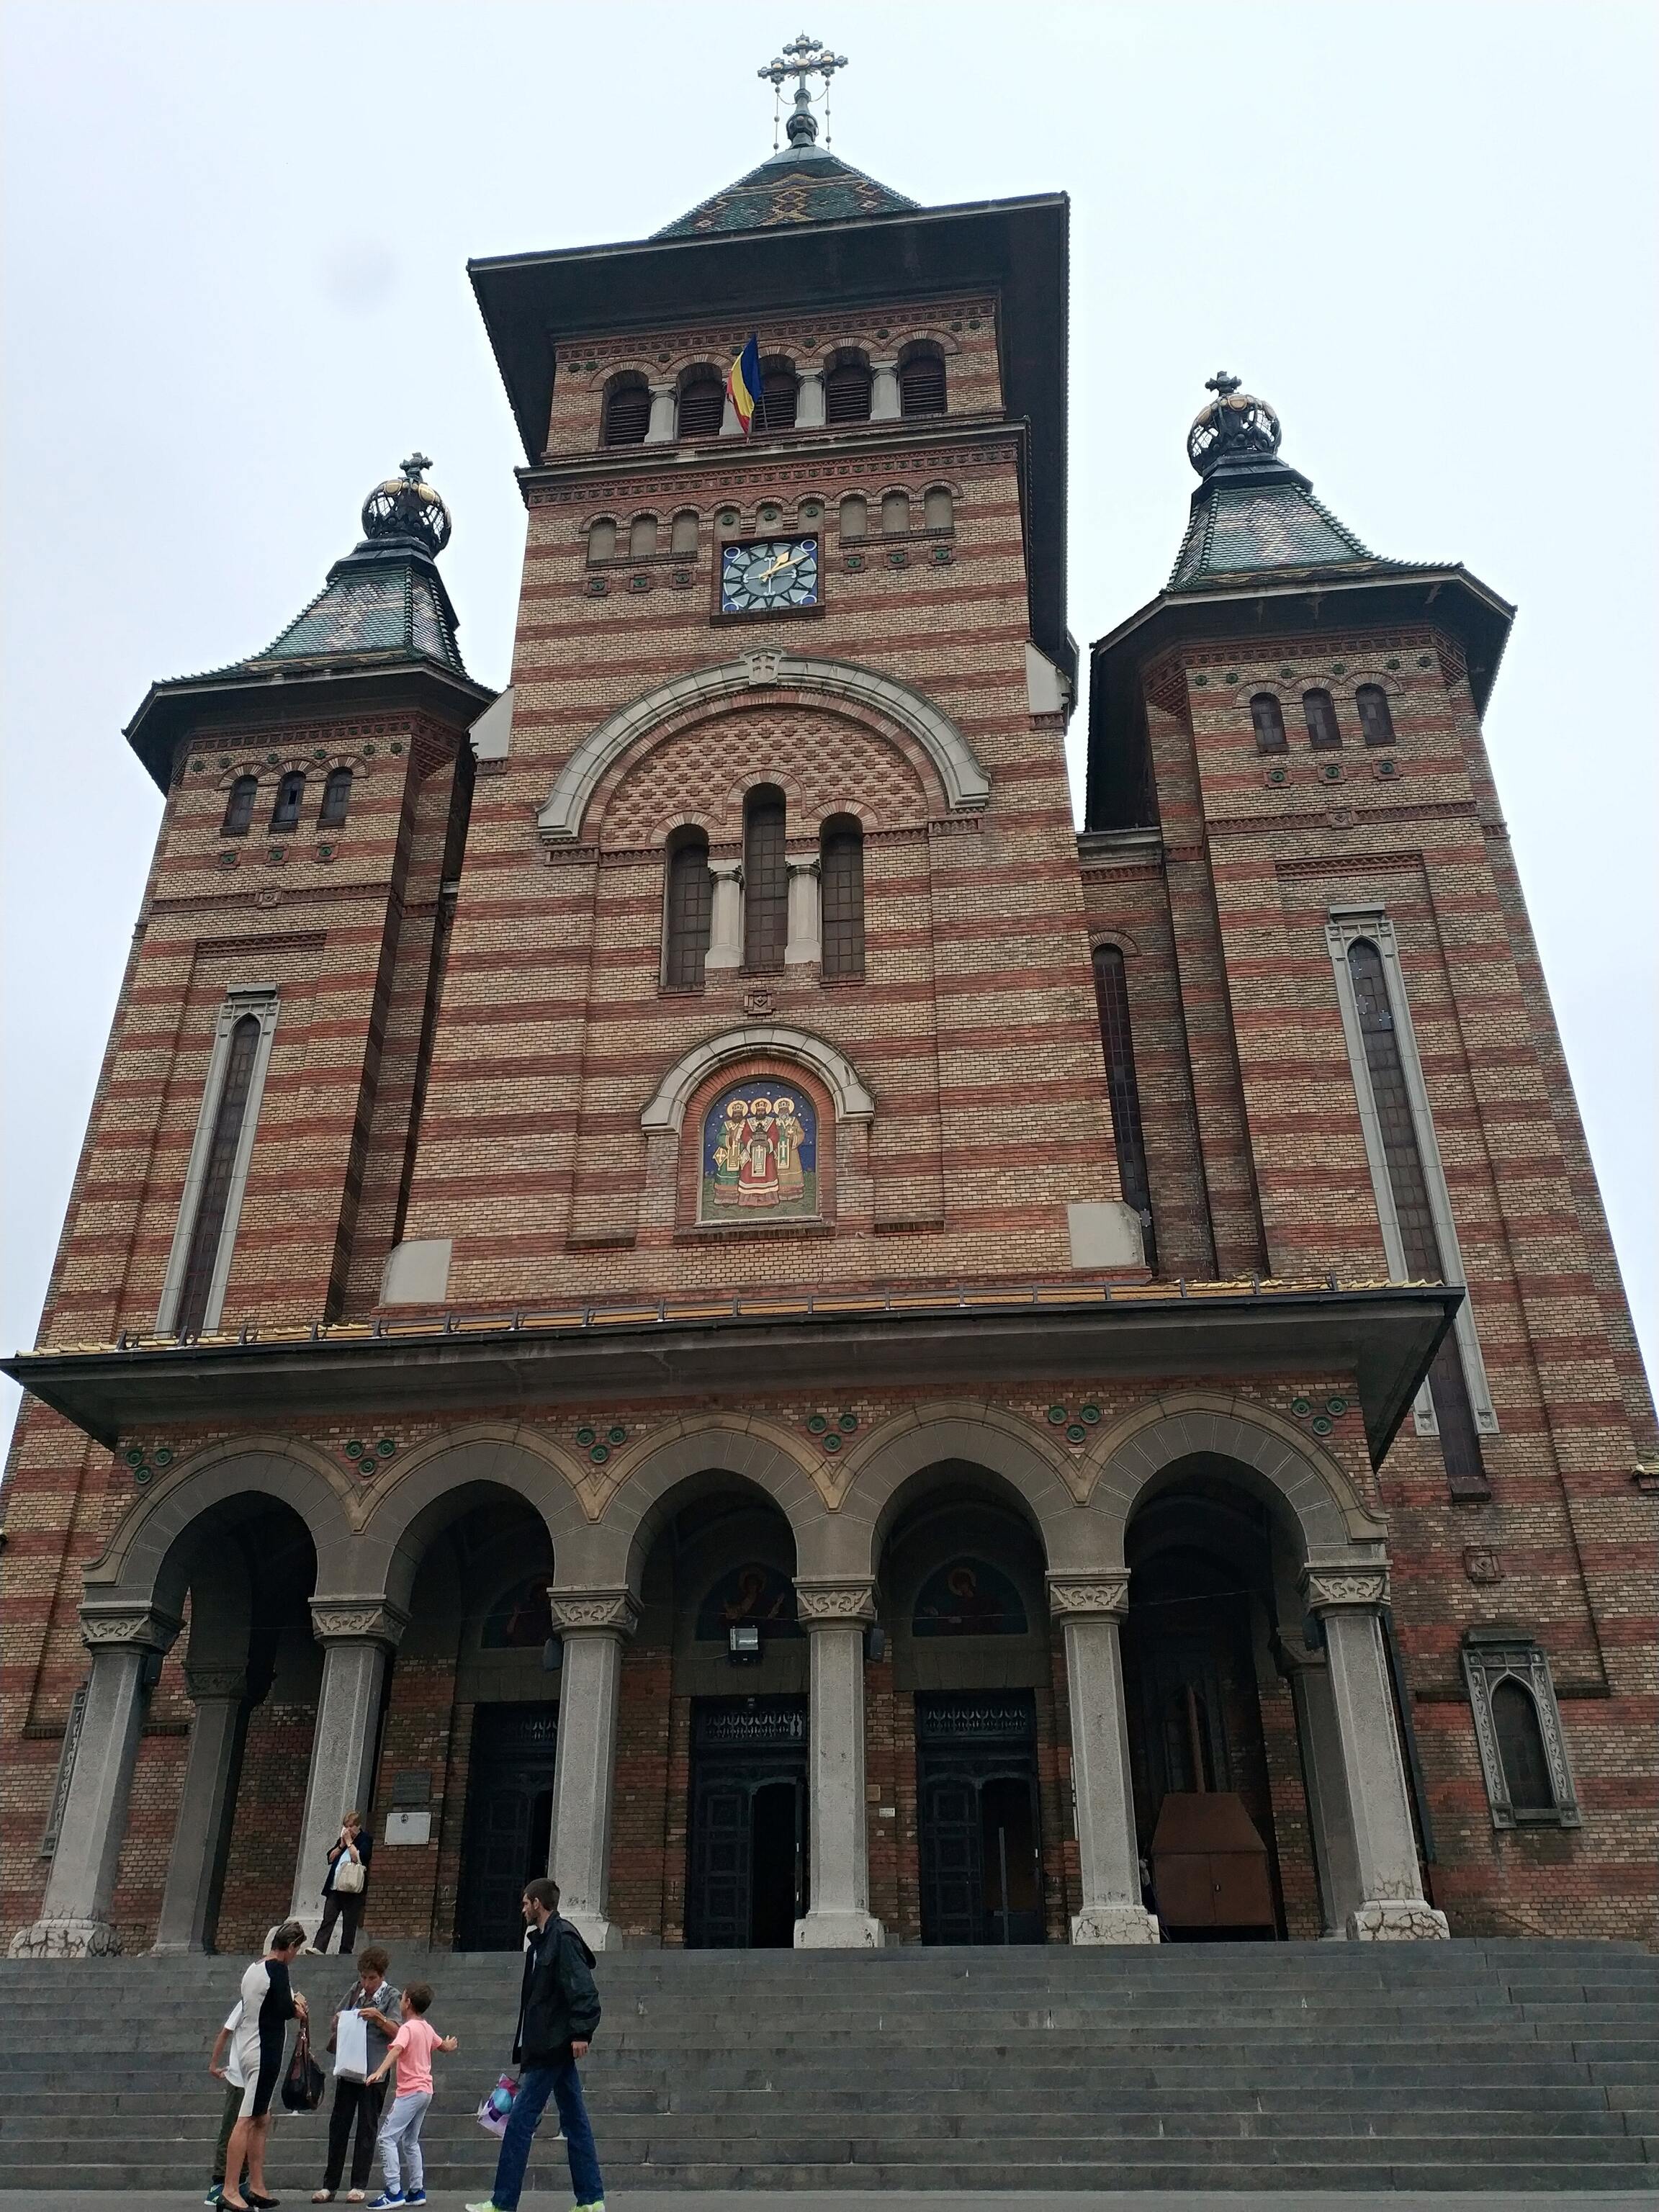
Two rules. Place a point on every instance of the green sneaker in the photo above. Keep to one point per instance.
(597, 2205)
(489, 2205)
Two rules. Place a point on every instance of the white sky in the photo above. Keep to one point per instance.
(235, 294)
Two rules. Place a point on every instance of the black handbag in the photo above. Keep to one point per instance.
(303, 2083)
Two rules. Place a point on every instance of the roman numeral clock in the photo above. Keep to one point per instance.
(770, 576)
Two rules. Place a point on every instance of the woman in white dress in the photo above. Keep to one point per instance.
(268, 2004)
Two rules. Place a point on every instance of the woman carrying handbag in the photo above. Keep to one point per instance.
(347, 1880)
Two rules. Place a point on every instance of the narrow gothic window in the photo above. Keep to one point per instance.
(854, 516)
(921, 385)
(779, 394)
(628, 414)
(842, 860)
(702, 402)
(601, 540)
(939, 509)
(1318, 709)
(210, 1222)
(690, 890)
(682, 538)
(1376, 722)
(1268, 717)
(765, 879)
(1112, 997)
(1520, 1748)
(896, 511)
(641, 537)
(290, 797)
(337, 799)
(239, 807)
(847, 391)
(1459, 1442)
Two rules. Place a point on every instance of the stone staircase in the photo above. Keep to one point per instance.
(1501, 2066)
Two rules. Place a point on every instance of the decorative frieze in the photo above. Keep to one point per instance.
(821, 1603)
(1328, 1588)
(576, 1612)
(334, 1621)
(136, 1624)
(1086, 1597)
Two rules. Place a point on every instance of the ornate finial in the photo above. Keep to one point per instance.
(803, 57)
(1233, 427)
(406, 507)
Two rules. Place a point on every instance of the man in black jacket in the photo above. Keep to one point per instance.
(558, 2012)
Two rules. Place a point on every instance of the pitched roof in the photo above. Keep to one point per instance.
(1272, 522)
(802, 184)
(382, 599)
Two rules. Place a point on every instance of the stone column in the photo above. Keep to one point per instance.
(726, 916)
(804, 945)
(594, 1624)
(885, 391)
(75, 1922)
(1321, 1746)
(835, 1615)
(663, 427)
(1090, 1608)
(809, 400)
(1392, 1907)
(358, 1638)
(204, 1807)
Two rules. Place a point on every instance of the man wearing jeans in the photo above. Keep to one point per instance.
(558, 2012)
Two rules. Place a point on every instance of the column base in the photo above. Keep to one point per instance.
(1398, 1920)
(839, 1931)
(599, 1935)
(67, 1939)
(1115, 1923)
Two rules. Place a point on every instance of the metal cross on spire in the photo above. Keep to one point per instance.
(803, 57)
(412, 467)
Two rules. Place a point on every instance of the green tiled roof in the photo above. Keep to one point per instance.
(801, 185)
(375, 601)
(1238, 527)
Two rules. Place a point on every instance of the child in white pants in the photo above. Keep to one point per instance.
(400, 2138)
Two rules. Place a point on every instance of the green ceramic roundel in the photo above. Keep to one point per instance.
(599, 1454)
(1057, 1415)
(135, 1457)
(617, 1435)
(1301, 1408)
(354, 1449)
(1322, 1424)
(385, 1447)
(141, 1474)
(817, 1424)
(832, 1443)
(585, 1436)
(1337, 1406)
(1076, 1434)
(164, 1457)
(847, 1422)
(1090, 1414)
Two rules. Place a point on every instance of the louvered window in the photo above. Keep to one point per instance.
(690, 892)
(1268, 716)
(702, 402)
(627, 416)
(337, 799)
(921, 385)
(290, 798)
(208, 1226)
(1112, 998)
(841, 857)
(765, 880)
(1319, 710)
(847, 393)
(779, 394)
(239, 807)
(1376, 722)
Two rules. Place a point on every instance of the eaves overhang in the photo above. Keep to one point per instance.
(295, 691)
(449, 1365)
(1017, 249)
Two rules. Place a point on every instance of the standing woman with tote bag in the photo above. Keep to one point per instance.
(346, 1882)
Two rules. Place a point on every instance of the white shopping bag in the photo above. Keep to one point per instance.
(352, 2047)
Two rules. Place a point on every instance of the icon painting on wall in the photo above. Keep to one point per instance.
(760, 1154)
(968, 1598)
(755, 1595)
(522, 1619)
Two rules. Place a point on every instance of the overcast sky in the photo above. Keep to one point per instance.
(235, 293)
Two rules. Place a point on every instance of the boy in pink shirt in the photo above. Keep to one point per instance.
(410, 2052)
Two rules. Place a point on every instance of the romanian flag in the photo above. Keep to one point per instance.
(743, 382)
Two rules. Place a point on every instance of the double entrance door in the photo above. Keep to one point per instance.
(509, 1821)
(981, 1879)
(746, 1882)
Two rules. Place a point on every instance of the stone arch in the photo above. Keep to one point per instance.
(965, 783)
(1331, 1518)
(667, 1110)
(1119, 938)
(146, 1562)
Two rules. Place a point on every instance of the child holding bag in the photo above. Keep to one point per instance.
(410, 2053)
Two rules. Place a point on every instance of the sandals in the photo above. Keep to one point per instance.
(322, 2196)
(357, 2197)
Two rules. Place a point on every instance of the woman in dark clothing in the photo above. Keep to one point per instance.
(345, 1905)
(268, 2005)
(357, 2101)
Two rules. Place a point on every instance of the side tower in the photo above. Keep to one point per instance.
(1296, 870)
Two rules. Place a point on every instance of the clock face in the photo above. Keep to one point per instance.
(770, 575)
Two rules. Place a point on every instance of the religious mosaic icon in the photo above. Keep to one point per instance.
(521, 1618)
(969, 1597)
(760, 1154)
(770, 575)
(749, 1596)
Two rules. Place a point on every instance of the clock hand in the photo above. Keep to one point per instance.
(783, 560)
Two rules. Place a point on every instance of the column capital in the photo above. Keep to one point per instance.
(803, 864)
(1336, 1587)
(726, 871)
(357, 1620)
(104, 1627)
(594, 1612)
(1089, 1597)
(849, 1603)
(206, 1683)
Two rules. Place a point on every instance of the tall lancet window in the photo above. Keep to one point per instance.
(1112, 996)
(689, 890)
(205, 1238)
(765, 879)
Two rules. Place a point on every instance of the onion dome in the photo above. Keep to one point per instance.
(1234, 424)
(406, 507)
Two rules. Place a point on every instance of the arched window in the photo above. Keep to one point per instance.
(1112, 998)
(921, 383)
(641, 537)
(628, 412)
(290, 798)
(1520, 1748)
(239, 807)
(1318, 711)
(601, 540)
(938, 508)
(1376, 722)
(896, 512)
(765, 879)
(854, 516)
(846, 390)
(841, 871)
(209, 1226)
(702, 402)
(779, 394)
(683, 536)
(689, 896)
(337, 799)
(1268, 717)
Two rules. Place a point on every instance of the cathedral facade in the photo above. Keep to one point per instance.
(673, 1277)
